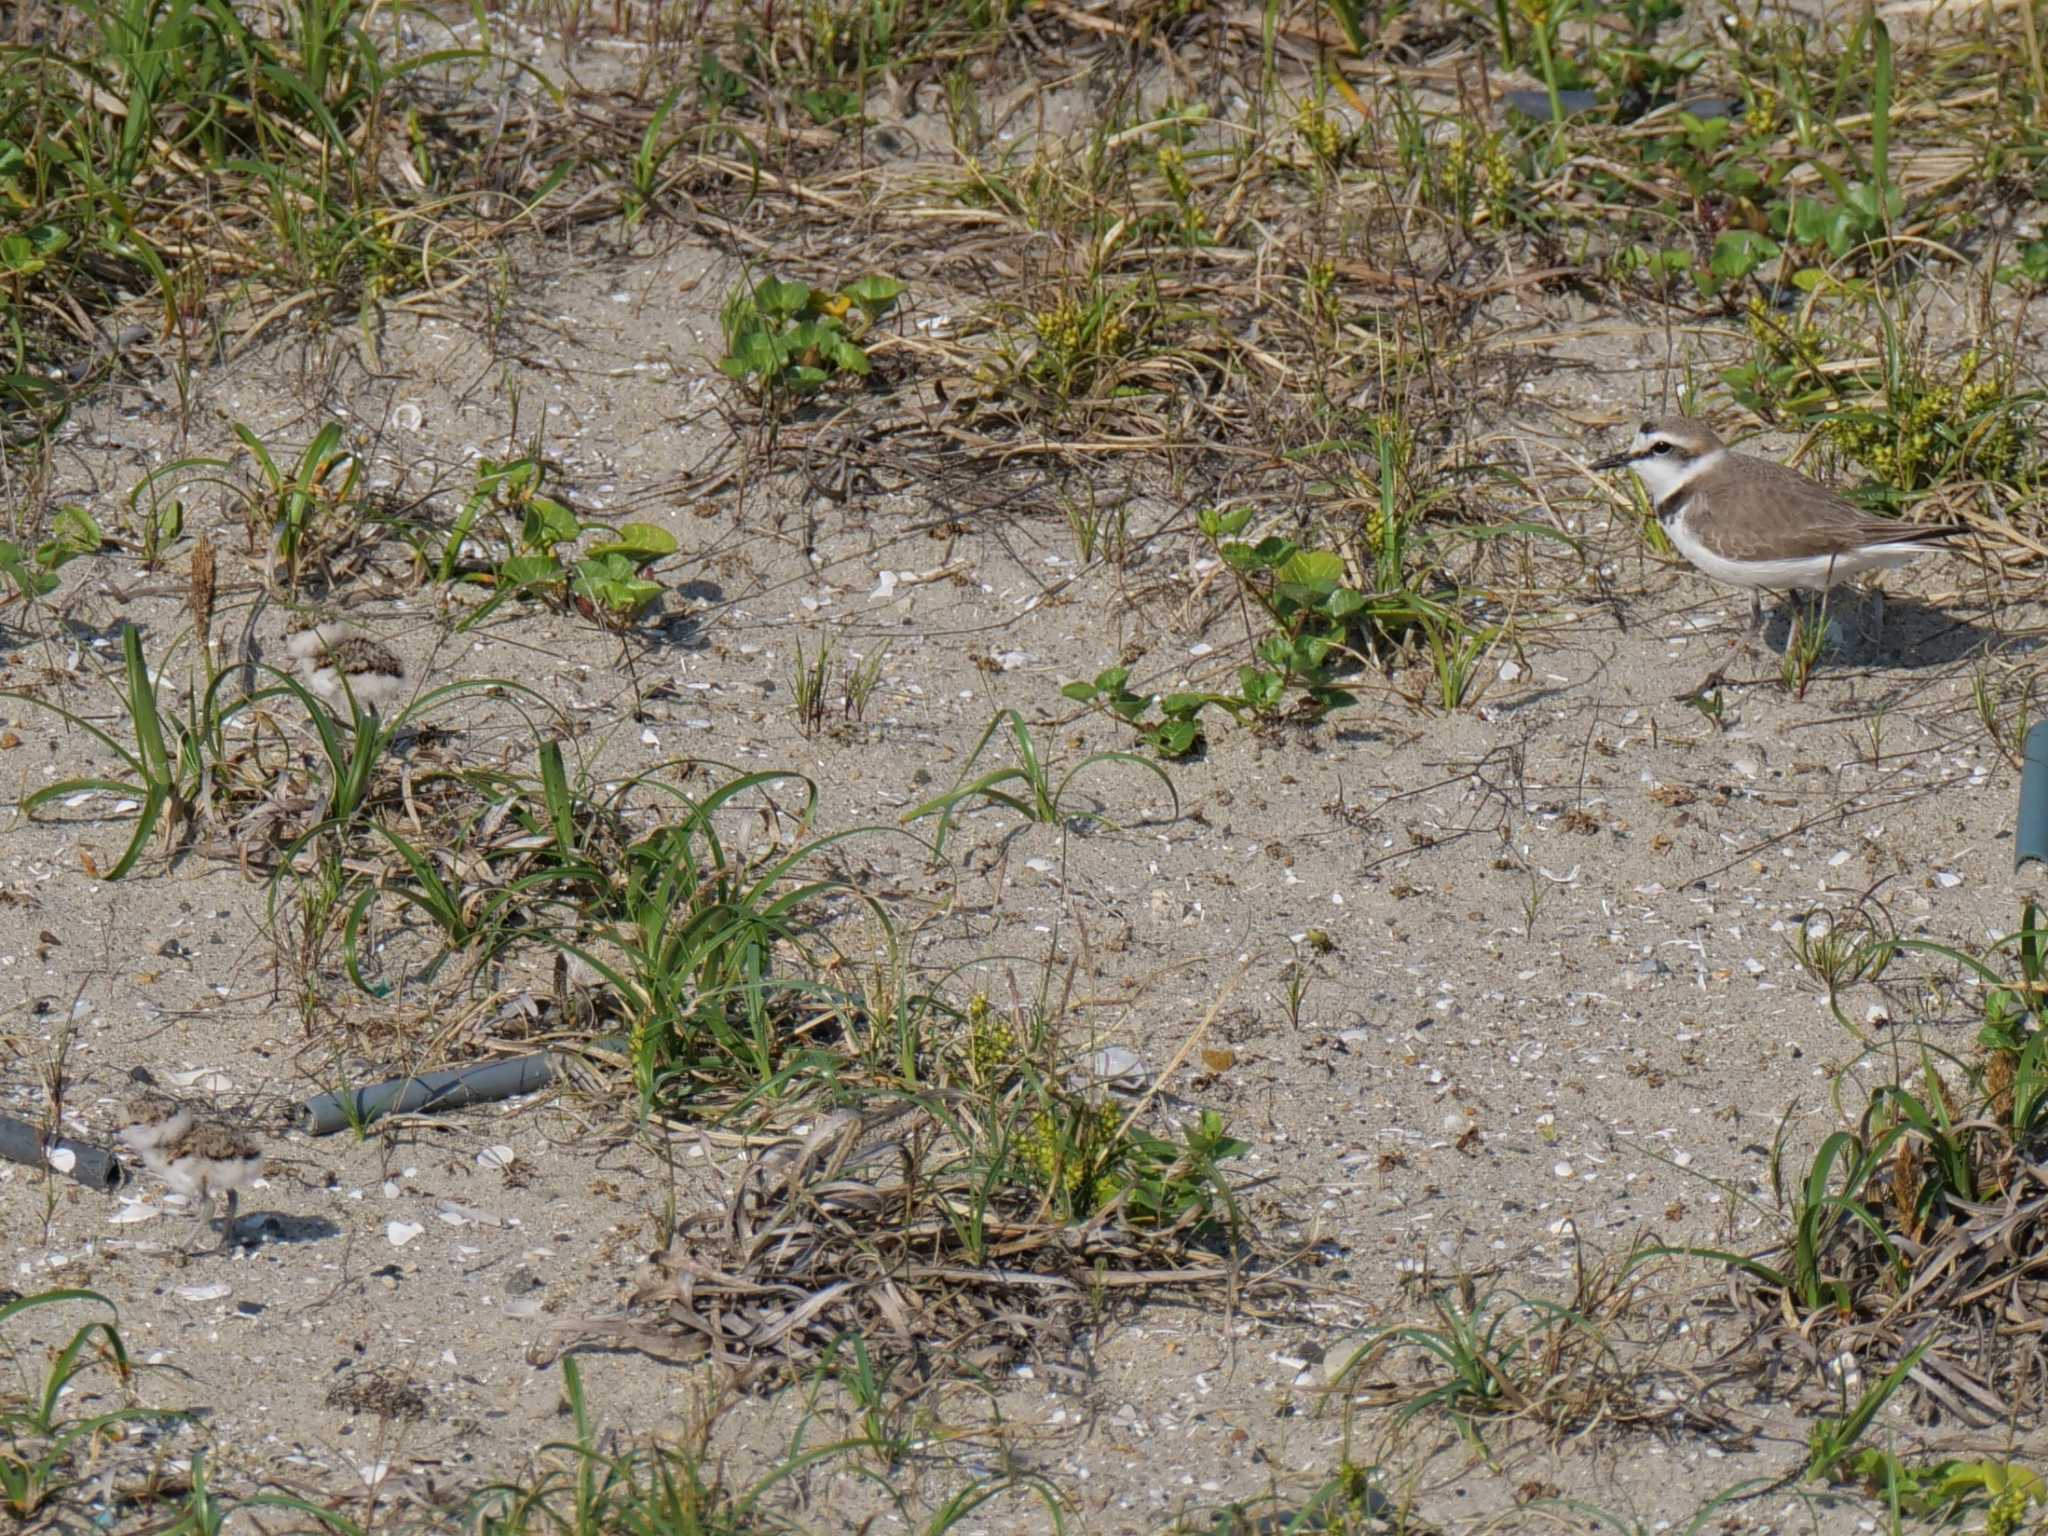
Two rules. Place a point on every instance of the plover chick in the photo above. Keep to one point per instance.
(207, 1160)
(339, 662)
(150, 1120)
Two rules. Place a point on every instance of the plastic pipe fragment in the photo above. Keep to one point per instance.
(426, 1092)
(94, 1167)
(2031, 842)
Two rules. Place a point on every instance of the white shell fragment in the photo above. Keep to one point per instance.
(1116, 1067)
(205, 1079)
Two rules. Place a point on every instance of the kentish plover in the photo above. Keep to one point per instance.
(1752, 523)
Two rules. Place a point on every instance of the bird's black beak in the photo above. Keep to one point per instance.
(1615, 461)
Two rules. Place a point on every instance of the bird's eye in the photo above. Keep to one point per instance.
(1660, 448)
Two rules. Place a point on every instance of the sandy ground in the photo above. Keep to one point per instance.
(1558, 1012)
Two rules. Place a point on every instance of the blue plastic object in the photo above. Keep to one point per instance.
(2032, 839)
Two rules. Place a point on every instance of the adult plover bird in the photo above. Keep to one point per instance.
(204, 1160)
(1752, 523)
(339, 662)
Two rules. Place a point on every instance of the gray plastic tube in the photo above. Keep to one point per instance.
(94, 1167)
(430, 1091)
(2031, 842)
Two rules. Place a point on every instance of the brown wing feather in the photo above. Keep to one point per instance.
(1806, 519)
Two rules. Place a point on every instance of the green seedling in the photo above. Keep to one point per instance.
(1711, 700)
(443, 904)
(1534, 895)
(33, 572)
(862, 678)
(1299, 973)
(889, 1433)
(643, 178)
(168, 762)
(1496, 1356)
(1832, 1439)
(1180, 1187)
(1945, 1490)
(40, 1448)
(1457, 651)
(605, 580)
(609, 583)
(1039, 799)
(290, 506)
(23, 255)
(718, 87)
(786, 340)
(1077, 344)
(810, 681)
(1804, 646)
(2005, 708)
(2031, 270)
(1862, 212)
(1838, 952)
(1312, 609)
(829, 104)
(1096, 526)
(160, 525)
(205, 1513)
(1178, 730)
(1737, 254)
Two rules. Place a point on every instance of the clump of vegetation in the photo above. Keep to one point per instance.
(607, 580)
(785, 340)
(1948, 1488)
(1028, 786)
(169, 151)
(1480, 175)
(1934, 428)
(32, 571)
(1176, 732)
(812, 694)
(1910, 421)
(1488, 1359)
(1897, 1224)
(1082, 1148)
(1083, 338)
(999, 1193)
(45, 1449)
(307, 508)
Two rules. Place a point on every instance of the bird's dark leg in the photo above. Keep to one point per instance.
(1756, 610)
(227, 1223)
